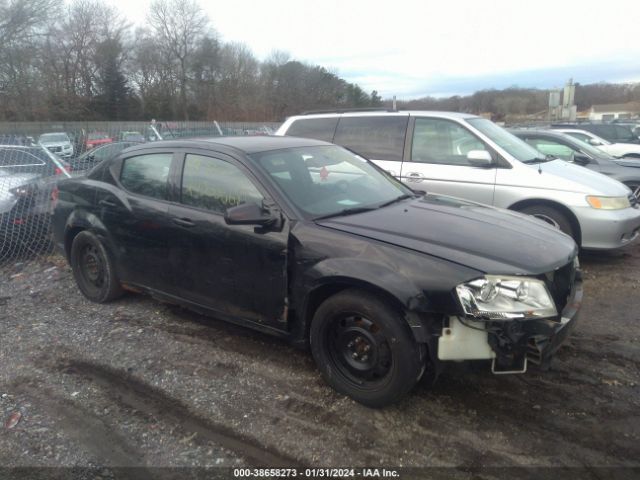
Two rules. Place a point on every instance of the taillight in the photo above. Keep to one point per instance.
(54, 196)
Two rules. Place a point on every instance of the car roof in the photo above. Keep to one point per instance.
(244, 144)
(390, 113)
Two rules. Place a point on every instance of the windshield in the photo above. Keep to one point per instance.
(326, 180)
(54, 137)
(517, 148)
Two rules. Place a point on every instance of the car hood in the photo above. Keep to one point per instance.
(576, 178)
(484, 238)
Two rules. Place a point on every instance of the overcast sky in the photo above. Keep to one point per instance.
(416, 48)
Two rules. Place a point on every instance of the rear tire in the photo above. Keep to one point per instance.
(94, 269)
(553, 217)
(364, 348)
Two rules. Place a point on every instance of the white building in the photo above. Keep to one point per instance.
(615, 111)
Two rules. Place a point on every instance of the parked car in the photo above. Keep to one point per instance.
(25, 211)
(131, 137)
(16, 139)
(37, 160)
(97, 138)
(619, 150)
(384, 284)
(568, 148)
(28, 177)
(472, 158)
(611, 132)
(58, 143)
(91, 158)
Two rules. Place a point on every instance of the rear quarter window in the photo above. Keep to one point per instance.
(318, 128)
(379, 138)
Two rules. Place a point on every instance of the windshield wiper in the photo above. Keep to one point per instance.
(345, 212)
(397, 199)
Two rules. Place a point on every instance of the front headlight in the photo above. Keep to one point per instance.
(495, 297)
(608, 203)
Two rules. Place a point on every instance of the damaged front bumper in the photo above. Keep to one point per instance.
(510, 345)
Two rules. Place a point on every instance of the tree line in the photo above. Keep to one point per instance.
(84, 61)
(520, 102)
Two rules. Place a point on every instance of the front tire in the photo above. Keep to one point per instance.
(553, 217)
(364, 348)
(93, 269)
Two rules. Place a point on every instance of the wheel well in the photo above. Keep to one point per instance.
(322, 293)
(68, 239)
(631, 155)
(558, 206)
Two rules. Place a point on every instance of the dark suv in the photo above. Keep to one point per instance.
(308, 241)
(610, 132)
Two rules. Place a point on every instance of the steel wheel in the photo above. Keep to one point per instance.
(359, 349)
(364, 348)
(93, 268)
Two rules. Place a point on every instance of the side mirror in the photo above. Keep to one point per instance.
(595, 142)
(581, 158)
(479, 158)
(248, 214)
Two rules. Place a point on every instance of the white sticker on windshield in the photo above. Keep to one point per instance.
(347, 202)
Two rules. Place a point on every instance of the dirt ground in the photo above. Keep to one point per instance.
(139, 383)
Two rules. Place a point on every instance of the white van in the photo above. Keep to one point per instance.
(470, 157)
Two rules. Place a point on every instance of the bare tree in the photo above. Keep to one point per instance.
(179, 25)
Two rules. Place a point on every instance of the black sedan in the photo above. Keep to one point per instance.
(571, 149)
(306, 240)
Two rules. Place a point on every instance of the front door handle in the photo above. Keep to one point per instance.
(107, 203)
(415, 177)
(184, 222)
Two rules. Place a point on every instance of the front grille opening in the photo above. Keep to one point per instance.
(560, 283)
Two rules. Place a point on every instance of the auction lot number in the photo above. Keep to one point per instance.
(315, 473)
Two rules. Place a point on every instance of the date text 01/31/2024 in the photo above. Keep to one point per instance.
(315, 473)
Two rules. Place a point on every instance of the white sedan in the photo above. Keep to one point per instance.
(628, 150)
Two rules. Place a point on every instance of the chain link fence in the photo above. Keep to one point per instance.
(35, 156)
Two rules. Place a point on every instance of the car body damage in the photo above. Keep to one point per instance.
(463, 281)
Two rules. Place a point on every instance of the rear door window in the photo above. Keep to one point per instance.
(376, 138)
(18, 158)
(318, 128)
(147, 174)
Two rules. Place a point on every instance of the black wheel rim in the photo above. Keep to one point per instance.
(359, 349)
(92, 266)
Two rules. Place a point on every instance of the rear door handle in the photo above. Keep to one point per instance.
(184, 222)
(107, 203)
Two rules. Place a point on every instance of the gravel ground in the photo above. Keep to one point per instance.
(140, 383)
